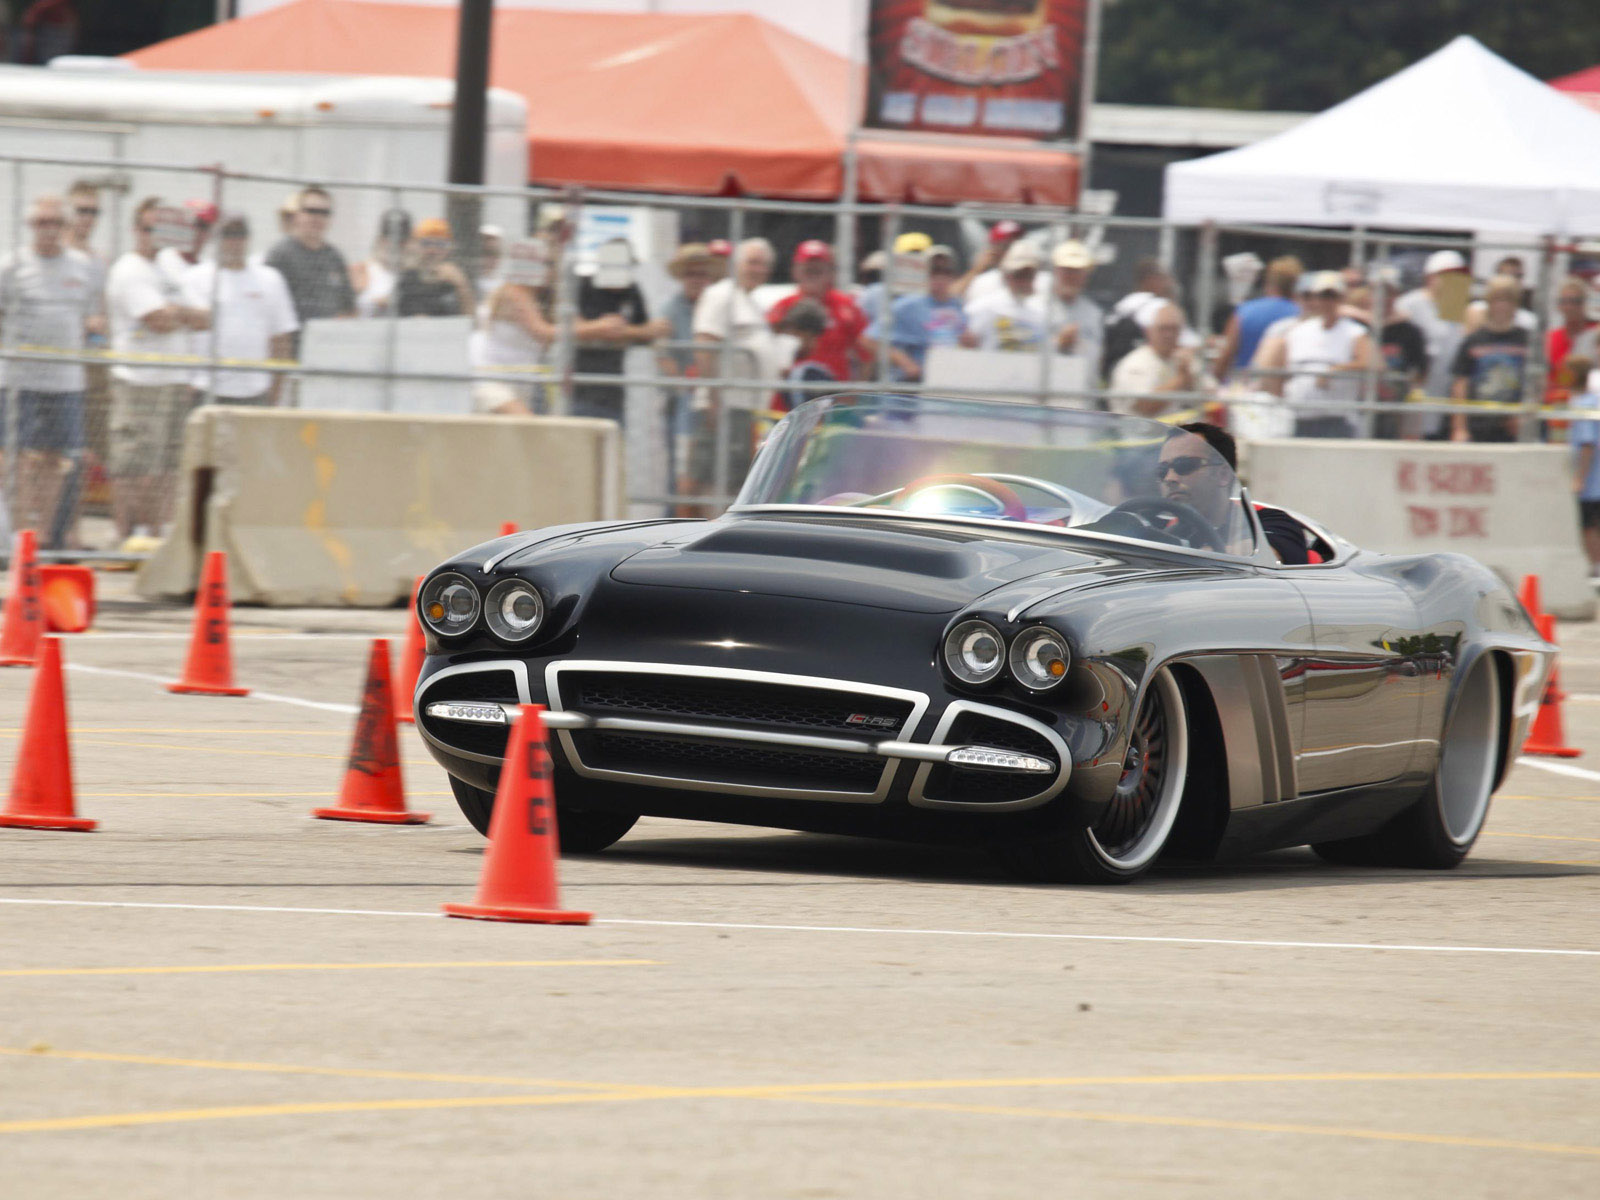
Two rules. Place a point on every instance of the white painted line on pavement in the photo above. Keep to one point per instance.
(270, 697)
(1559, 769)
(235, 634)
(957, 933)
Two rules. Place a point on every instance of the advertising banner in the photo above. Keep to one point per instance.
(1010, 68)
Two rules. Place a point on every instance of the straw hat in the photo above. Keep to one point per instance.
(696, 254)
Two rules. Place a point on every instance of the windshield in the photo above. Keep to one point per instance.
(989, 460)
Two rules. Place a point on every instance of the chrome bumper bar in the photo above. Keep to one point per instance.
(982, 758)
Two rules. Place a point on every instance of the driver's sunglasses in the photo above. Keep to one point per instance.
(1187, 465)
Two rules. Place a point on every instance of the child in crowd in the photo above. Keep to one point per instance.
(806, 321)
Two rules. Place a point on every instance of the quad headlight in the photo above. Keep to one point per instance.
(449, 604)
(974, 652)
(515, 610)
(1039, 658)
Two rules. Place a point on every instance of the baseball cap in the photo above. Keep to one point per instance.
(1444, 260)
(937, 252)
(721, 247)
(433, 227)
(1021, 256)
(1327, 281)
(1072, 254)
(551, 214)
(1004, 231)
(235, 224)
(1306, 284)
(491, 231)
(876, 261)
(203, 211)
(912, 243)
(813, 250)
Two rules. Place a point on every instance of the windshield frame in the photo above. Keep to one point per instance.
(1259, 554)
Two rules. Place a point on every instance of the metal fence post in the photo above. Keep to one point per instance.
(1205, 284)
(1537, 367)
(1372, 376)
(890, 233)
(566, 281)
(217, 197)
(391, 327)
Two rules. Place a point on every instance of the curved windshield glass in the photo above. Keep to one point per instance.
(975, 459)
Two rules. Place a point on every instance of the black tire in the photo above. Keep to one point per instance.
(580, 831)
(1438, 831)
(1131, 835)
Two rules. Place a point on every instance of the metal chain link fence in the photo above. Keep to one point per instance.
(133, 293)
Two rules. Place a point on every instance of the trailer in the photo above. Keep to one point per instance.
(150, 129)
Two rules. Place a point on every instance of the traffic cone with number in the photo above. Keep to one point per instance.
(1528, 593)
(507, 528)
(1548, 735)
(41, 785)
(373, 789)
(519, 867)
(24, 619)
(405, 685)
(209, 670)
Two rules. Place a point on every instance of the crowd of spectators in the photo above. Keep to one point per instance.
(1304, 351)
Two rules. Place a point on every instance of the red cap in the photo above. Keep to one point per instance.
(813, 251)
(721, 247)
(1004, 231)
(203, 211)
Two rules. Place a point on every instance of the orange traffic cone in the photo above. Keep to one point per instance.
(66, 593)
(41, 785)
(519, 867)
(209, 671)
(405, 685)
(24, 619)
(1548, 735)
(507, 528)
(373, 788)
(1528, 593)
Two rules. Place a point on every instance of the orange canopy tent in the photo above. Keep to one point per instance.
(701, 104)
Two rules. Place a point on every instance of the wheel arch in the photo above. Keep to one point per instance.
(1203, 814)
(1504, 676)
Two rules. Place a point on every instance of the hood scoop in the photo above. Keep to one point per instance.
(910, 570)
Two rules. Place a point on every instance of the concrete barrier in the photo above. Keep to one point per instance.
(321, 508)
(1510, 507)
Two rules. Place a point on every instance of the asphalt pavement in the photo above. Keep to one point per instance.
(215, 995)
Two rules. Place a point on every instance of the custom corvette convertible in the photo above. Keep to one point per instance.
(1064, 636)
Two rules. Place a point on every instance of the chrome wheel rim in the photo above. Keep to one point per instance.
(1467, 758)
(1135, 825)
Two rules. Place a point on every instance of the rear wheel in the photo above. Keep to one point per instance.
(580, 831)
(1134, 828)
(1437, 831)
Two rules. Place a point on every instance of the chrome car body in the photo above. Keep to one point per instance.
(785, 663)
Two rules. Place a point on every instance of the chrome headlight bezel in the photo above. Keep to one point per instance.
(494, 609)
(433, 594)
(958, 645)
(1028, 667)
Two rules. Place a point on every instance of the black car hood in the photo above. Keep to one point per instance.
(920, 569)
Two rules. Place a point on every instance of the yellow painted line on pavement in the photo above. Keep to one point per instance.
(1566, 862)
(227, 795)
(233, 968)
(1579, 799)
(1114, 1118)
(1543, 837)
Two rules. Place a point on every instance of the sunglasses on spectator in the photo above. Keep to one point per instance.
(147, 229)
(1570, 300)
(48, 221)
(1187, 465)
(85, 210)
(316, 212)
(941, 269)
(433, 243)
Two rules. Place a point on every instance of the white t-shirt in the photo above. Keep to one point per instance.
(1000, 321)
(252, 307)
(1443, 338)
(724, 311)
(44, 302)
(987, 284)
(135, 288)
(1313, 344)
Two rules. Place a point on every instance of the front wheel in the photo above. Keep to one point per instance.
(1437, 831)
(579, 831)
(1134, 828)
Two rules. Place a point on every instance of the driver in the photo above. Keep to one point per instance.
(1190, 471)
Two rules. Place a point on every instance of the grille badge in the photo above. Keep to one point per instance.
(868, 721)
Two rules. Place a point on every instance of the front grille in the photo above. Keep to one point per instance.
(732, 702)
(967, 786)
(495, 684)
(735, 763)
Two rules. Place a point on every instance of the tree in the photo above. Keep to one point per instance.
(1299, 57)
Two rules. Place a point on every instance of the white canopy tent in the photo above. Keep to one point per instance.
(1461, 140)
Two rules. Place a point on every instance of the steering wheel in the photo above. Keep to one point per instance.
(1189, 524)
(1009, 501)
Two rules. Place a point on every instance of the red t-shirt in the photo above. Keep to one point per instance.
(846, 324)
(1557, 345)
